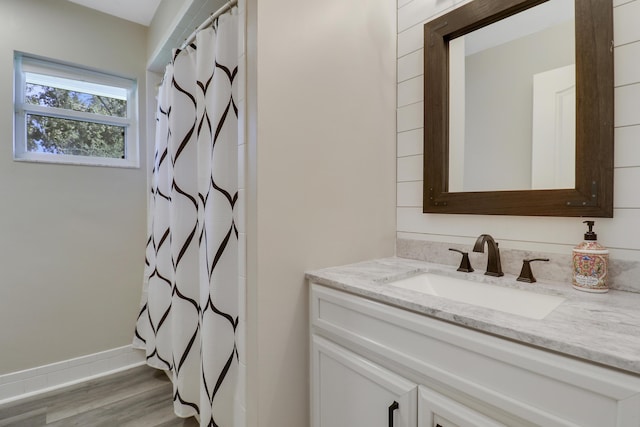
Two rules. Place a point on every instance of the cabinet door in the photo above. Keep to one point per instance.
(437, 410)
(351, 391)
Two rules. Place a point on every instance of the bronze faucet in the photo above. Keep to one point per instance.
(493, 259)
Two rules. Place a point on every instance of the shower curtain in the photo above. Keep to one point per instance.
(189, 308)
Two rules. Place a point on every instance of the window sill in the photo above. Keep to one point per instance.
(76, 160)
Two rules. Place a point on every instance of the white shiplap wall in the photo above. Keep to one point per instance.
(556, 235)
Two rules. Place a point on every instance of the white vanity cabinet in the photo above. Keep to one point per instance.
(376, 396)
(366, 355)
(352, 391)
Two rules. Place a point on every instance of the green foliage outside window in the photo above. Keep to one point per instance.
(47, 134)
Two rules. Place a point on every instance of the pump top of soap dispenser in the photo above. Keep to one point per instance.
(590, 235)
(590, 242)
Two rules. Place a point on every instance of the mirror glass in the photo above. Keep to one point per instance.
(512, 102)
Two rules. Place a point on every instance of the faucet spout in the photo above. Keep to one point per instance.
(494, 267)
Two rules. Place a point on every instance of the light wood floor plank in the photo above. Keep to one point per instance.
(113, 413)
(139, 397)
(97, 395)
(35, 418)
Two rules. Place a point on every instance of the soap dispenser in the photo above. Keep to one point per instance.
(590, 263)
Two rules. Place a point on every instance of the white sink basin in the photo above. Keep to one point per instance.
(515, 301)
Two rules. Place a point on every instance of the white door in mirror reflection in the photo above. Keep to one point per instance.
(554, 129)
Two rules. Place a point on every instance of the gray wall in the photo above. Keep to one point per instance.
(320, 175)
(499, 106)
(73, 237)
(165, 19)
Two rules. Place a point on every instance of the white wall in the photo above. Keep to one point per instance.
(172, 24)
(320, 168)
(240, 404)
(167, 17)
(555, 235)
(73, 237)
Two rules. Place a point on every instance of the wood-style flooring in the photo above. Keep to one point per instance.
(138, 397)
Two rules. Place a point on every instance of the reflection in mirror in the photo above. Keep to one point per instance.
(512, 102)
(592, 192)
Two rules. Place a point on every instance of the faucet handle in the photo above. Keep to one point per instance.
(526, 275)
(465, 264)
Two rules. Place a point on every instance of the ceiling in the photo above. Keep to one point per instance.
(140, 11)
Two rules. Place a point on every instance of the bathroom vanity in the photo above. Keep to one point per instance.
(387, 351)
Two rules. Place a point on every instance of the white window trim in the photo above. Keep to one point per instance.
(27, 63)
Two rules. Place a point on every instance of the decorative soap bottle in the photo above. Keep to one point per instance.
(590, 263)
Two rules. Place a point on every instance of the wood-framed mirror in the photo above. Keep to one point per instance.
(591, 192)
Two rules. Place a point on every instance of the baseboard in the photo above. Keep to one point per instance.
(18, 385)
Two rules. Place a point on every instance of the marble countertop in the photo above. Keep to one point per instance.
(601, 328)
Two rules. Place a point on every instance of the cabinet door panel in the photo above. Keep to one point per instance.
(351, 391)
(435, 409)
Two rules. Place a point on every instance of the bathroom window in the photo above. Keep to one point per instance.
(69, 114)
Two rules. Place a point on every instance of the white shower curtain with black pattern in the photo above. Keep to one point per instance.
(189, 309)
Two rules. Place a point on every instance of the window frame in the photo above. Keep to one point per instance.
(24, 63)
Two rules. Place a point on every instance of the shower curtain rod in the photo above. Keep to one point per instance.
(228, 5)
